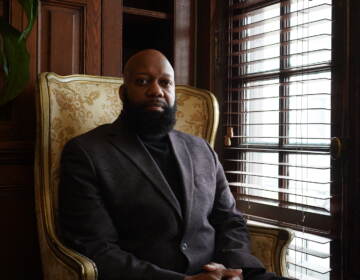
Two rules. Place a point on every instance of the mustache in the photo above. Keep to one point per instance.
(155, 102)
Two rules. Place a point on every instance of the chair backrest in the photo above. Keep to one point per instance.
(71, 105)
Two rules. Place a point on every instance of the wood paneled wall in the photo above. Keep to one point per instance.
(70, 36)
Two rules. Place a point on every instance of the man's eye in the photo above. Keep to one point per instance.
(165, 83)
(141, 82)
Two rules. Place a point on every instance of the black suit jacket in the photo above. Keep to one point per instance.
(116, 208)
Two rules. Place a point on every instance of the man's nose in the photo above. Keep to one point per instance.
(155, 90)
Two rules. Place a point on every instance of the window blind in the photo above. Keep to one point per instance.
(277, 118)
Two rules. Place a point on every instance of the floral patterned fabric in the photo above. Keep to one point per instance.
(76, 107)
(263, 247)
(193, 114)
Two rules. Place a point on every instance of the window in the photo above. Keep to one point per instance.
(277, 115)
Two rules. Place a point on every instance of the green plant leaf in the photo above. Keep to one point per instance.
(14, 56)
(31, 8)
(15, 59)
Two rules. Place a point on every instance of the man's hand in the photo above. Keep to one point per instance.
(216, 271)
(225, 273)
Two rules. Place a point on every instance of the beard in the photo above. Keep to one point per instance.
(148, 123)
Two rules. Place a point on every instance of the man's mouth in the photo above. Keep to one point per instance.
(155, 106)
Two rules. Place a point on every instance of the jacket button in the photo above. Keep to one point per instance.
(184, 246)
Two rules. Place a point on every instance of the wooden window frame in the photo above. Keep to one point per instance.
(270, 213)
(344, 124)
(314, 223)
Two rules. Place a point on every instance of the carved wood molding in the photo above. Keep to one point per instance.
(21, 152)
(4, 190)
(70, 41)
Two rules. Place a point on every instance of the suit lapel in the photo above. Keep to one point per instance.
(130, 145)
(186, 168)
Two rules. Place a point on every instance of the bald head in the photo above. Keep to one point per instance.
(147, 60)
(148, 93)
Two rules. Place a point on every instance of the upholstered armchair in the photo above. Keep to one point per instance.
(71, 105)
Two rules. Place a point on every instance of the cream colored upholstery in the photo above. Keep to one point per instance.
(270, 244)
(71, 105)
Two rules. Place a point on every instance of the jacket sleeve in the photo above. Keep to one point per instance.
(86, 226)
(232, 248)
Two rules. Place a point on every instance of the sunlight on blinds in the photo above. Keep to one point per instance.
(278, 109)
(308, 257)
(310, 108)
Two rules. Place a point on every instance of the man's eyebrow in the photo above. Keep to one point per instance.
(168, 75)
(147, 74)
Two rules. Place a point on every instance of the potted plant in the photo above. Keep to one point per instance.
(14, 56)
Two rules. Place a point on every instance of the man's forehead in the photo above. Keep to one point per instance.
(149, 61)
(169, 75)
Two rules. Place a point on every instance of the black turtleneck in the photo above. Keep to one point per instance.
(163, 154)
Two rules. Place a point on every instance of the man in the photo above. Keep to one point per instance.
(144, 201)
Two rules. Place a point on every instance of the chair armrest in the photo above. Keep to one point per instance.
(270, 244)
